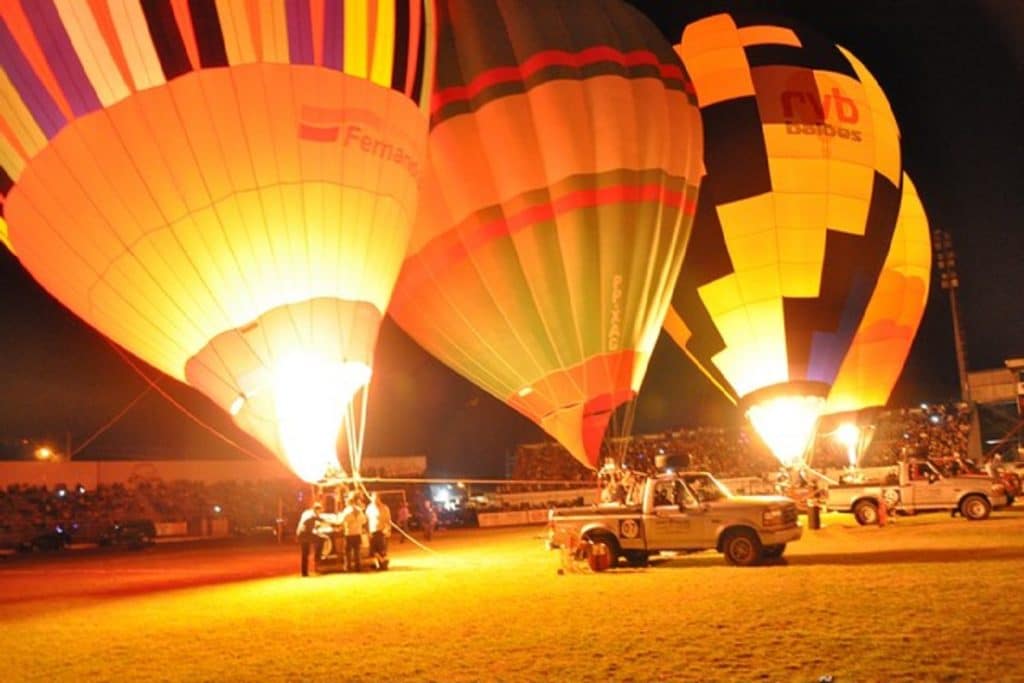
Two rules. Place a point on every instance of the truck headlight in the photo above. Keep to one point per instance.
(772, 517)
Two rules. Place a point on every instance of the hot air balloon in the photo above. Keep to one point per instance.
(564, 160)
(224, 188)
(795, 222)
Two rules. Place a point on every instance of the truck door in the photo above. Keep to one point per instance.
(927, 489)
(671, 525)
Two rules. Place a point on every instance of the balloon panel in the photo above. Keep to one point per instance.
(564, 161)
(797, 210)
(882, 342)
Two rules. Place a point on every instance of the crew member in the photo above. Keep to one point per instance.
(378, 520)
(352, 521)
(307, 536)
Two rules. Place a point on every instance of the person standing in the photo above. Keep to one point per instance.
(305, 532)
(378, 520)
(429, 520)
(403, 520)
(352, 521)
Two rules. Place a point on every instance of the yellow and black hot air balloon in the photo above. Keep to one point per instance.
(223, 187)
(565, 153)
(796, 219)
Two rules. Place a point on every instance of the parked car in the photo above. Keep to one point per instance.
(135, 533)
(46, 540)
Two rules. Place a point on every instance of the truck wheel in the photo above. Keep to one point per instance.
(866, 512)
(610, 541)
(742, 548)
(774, 551)
(975, 508)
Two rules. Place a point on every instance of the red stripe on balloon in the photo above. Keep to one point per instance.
(549, 58)
(448, 248)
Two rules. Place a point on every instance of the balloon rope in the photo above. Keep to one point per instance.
(110, 423)
(153, 385)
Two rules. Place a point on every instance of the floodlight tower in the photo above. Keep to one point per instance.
(945, 263)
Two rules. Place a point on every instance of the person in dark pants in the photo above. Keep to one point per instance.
(378, 520)
(352, 521)
(306, 534)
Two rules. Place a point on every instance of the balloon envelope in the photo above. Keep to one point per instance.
(795, 220)
(564, 162)
(225, 189)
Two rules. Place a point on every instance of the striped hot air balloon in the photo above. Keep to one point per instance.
(565, 155)
(223, 187)
(786, 272)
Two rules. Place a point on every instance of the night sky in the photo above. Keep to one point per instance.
(954, 74)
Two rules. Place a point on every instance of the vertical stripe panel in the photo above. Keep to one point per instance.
(413, 46)
(99, 65)
(300, 38)
(423, 51)
(8, 134)
(355, 39)
(139, 51)
(183, 19)
(12, 162)
(274, 32)
(255, 24)
(23, 92)
(105, 25)
(334, 30)
(56, 45)
(24, 37)
(383, 44)
(400, 56)
(370, 34)
(316, 22)
(234, 21)
(163, 29)
(209, 34)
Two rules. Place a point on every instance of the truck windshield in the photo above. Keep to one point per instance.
(706, 488)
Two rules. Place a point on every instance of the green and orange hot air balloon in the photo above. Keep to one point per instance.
(565, 156)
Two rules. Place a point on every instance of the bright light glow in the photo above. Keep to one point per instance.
(44, 453)
(525, 391)
(786, 424)
(237, 404)
(311, 395)
(848, 434)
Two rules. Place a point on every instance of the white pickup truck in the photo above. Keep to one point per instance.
(916, 486)
(682, 512)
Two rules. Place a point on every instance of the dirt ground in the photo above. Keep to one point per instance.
(929, 598)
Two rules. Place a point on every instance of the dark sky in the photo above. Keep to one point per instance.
(953, 71)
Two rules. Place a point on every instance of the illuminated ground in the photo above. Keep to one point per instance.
(928, 598)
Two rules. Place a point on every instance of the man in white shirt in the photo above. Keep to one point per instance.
(352, 521)
(378, 518)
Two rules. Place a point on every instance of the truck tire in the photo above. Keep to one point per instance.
(772, 552)
(742, 548)
(866, 512)
(613, 544)
(975, 507)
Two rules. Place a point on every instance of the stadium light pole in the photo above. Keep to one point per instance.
(945, 263)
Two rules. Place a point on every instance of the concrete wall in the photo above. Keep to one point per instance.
(91, 473)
